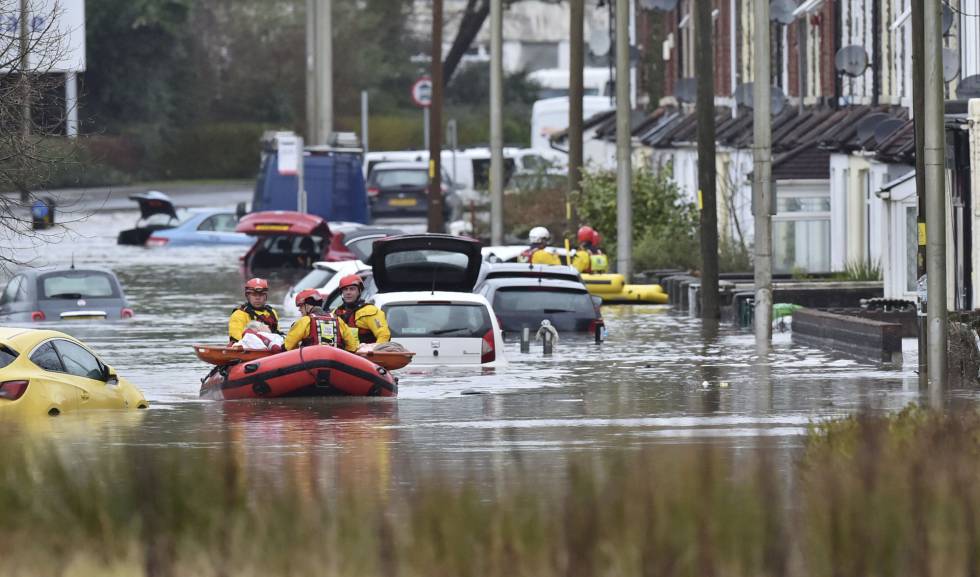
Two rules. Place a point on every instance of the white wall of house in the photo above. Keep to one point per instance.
(898, 262)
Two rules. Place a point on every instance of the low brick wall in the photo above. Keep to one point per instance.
(860, 337)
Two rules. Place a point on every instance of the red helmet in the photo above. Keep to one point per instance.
(352, 280)
(596, 239)
(586, 234)
(256, 284)
(309, 294)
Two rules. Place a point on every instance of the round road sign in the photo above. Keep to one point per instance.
(422, 92)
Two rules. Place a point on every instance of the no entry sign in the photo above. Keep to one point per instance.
(422, 92)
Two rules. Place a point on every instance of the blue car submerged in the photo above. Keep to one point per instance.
(203, 228)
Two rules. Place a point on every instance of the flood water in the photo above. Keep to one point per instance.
(661, 378)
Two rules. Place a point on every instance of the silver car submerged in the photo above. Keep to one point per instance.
(64, 294)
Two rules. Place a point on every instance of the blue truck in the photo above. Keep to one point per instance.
(335, 188)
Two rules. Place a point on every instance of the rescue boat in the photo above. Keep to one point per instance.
(614, 290)
(313, 371)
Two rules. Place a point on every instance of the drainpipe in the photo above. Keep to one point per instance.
(838, 89)
(876, 56)
(974, 117)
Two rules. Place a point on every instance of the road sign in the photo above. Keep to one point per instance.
(422, 92)
(290, 150)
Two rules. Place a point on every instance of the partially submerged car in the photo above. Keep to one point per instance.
(157, 212)
(525, 300)
(65, 294)
(49, 373)
(291, 240)
(209, 227)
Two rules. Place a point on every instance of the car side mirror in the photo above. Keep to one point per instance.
(111, 378)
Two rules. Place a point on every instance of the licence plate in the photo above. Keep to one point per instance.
(403, 202)
(272, 227)
(77, 317)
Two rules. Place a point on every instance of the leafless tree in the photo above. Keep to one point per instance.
(32, 117)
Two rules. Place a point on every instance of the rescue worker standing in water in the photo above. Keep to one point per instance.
(368, 320)
(317, 326)
(256, 308)
(539, 237)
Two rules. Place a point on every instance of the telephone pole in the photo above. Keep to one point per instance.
(319, 71)
(762, 178)
(706, 160)
(935, 166)
(624, 172)
(576, 65)
(436, 221)
(918, 119)
(496, 122)
(24, 64)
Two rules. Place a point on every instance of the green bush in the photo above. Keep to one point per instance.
(664, 224)
(57, 162)
(223, 150)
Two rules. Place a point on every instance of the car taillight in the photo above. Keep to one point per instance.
(373, 191)
(595, 328)
(126, 313)
(12, 390)
(487, 351)
(157, 241)
(38, 316)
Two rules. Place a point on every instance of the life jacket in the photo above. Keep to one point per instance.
(348, 314)
(270, 319)
(323, 330)
(528, 254)
(600, 263)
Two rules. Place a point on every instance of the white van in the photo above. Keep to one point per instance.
(550, 115)
(554, 82)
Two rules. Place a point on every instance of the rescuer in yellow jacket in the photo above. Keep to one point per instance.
(369, 321)
(318, 327)
(539, 237)
(256, 308)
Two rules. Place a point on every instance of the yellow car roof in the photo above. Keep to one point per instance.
(19, 338)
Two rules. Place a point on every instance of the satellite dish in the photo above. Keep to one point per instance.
(851, 60)
(777, 100)
(686, 89)
(866, 126)
(951, 64)
(887, 128)
(665, 5)
(947, 19)
(782, 11)
(968, 87)
(599, 42)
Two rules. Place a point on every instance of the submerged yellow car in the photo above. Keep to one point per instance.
(49, 373)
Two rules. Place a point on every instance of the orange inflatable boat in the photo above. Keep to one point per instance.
(390, 360)
(305, 372)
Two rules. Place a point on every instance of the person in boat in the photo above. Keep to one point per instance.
(368, 320)
(582, 260)
(317, 326)
(539, 237)
(256, 308)
(258, 338)
(600, 263)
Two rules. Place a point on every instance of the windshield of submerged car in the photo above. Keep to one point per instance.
(423, 320)
(77, 285)
(547, 300)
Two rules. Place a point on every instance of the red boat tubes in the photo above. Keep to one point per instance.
(313, 371)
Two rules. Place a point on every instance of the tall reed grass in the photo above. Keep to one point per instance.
(867, 495)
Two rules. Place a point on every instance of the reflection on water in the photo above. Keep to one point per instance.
(660, 378)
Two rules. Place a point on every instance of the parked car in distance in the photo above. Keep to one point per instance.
(64, 294)
(157, 212)
(527, 270)
(400, 190)
(526, 301)
(325, 277)
(49, 373)
(291, 241)
(202, 228)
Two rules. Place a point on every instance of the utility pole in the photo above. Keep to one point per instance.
(762, 178)
(706, 160)
(496, 122)
(576, 66)
(935, 166)
(311, 122)
(624, 172)
(436, 222)
(24, 64)
(324, 70)
(364, 121)
(918, 118)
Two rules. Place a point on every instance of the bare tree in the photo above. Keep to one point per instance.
(32, 116)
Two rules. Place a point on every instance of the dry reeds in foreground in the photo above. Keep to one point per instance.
(869, 496)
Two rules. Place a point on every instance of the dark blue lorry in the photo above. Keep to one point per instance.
(334, 185)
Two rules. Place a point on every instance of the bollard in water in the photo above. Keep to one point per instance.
(547, 343)
(526, 340)
(598, 334)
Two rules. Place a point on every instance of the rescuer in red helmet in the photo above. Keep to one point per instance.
(582, 261)
(256, 308)
(368, 320)
(317, 326)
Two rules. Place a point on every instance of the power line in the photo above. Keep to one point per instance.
(958, 11)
